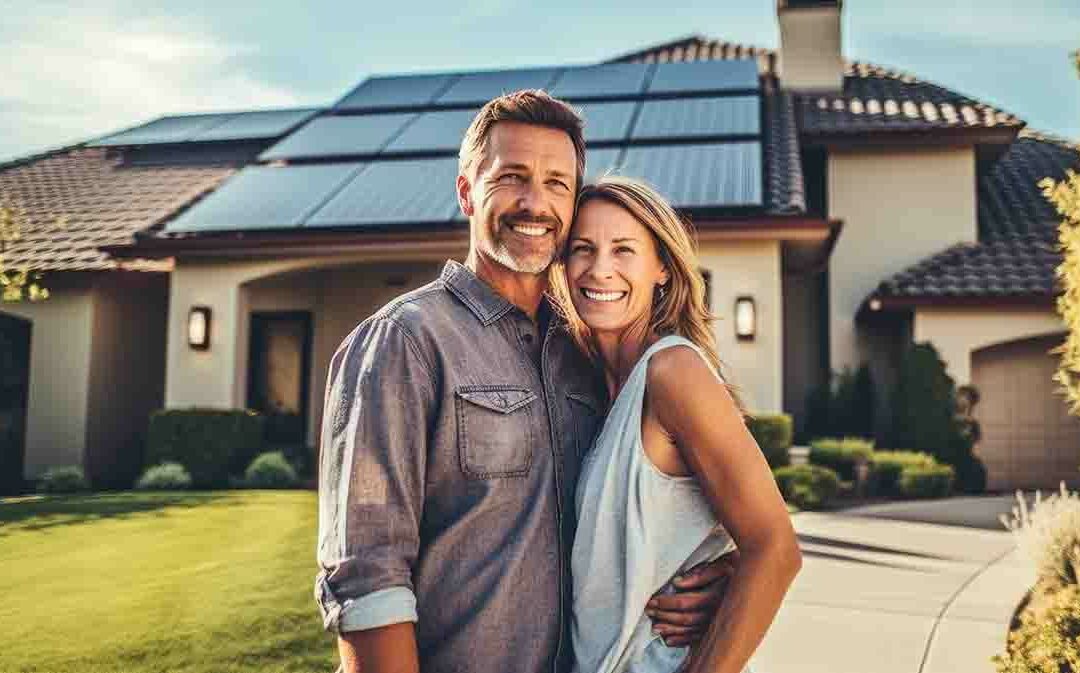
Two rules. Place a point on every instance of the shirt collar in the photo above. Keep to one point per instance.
(485, 303)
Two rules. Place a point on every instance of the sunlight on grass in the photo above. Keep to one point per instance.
(181, 582)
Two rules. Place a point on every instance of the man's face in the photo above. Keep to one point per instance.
(520, 196)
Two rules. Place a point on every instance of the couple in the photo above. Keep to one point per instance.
(467, 519)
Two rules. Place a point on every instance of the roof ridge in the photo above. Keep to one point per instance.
(38, 156)
(1051, 138)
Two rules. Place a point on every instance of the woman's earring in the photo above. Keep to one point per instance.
(661, 290)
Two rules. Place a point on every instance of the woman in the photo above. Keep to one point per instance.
(674, 478)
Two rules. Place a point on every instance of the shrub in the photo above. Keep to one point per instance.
(841, 455)
(935, 481)
(164, 477)
(66, 479)
(807, 486)
(1048, 533)
(886, 466)
(842, 406)
(270, 470)
(773, 434)
(1048, 638)
(210, 443)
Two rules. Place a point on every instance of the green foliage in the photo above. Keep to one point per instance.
(164, 477)
(886, 467)
(935, 481)
(17, 284)
(270, 470)
(210, 443)
(1048, 640)
(1065, 196)
(66, 479)
(841, 455)
(843, 406)
(773, 434)
(807, 486)
(1048, 533)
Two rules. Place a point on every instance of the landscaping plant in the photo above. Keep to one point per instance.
(887, 466)
(164, 477)
(210, 443)
(66, 479)
(270, 470)
(935, 481)
(773, 434)
(841, 455)
(807, 486)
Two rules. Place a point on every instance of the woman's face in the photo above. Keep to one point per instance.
(612, 268)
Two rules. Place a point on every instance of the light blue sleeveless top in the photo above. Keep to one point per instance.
(637, 528)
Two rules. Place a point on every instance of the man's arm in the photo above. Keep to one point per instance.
(379, 402)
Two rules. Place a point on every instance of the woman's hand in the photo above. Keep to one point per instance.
(683, 617)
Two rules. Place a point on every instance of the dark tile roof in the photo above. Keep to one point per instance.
(1010, 201)
(75, 200)
(874, 98)
(784, 187)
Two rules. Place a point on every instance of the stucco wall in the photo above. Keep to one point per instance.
(957, 332)
(749, 268)
(898, 207)
(59, 374)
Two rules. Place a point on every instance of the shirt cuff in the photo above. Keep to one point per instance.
(393, 605)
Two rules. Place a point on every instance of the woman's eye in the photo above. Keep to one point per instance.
(574, 250)
(624, 249)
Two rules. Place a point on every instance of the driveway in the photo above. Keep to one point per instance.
(916, 587)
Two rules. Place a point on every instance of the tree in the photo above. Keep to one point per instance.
(1065, 195)
(16, 284)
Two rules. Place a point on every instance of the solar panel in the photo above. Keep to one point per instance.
(339, 136)
(599, 81)
(438, 131)
(165, 130)
(412, 191)
(252, 125)
(713, 175)
(601, 162)
(705, 76)
(606, 122)
(698, 117)
(264, 197)
(394, 92)
(480, 87)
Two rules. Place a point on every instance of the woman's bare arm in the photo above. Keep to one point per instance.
(698, 413)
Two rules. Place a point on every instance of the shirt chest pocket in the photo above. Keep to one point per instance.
(496, 429)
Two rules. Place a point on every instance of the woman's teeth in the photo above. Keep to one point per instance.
(528, 230)
(603, 296)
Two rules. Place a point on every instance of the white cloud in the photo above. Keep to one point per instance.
(92, 73)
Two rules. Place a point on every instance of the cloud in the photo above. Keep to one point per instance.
(92, 73)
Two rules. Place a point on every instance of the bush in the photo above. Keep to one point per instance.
(1048, 638)
(1048, 533)
(841, 455)
(926, 482)
(270, 470)
(210, 443)
(970, 474)
(164, 477)
(807, 486)
(886, 466)
(773, 434)
(842, 406)
(66, 479)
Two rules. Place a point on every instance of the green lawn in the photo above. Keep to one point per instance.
(184, 583)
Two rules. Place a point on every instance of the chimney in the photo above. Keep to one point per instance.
(810, 56)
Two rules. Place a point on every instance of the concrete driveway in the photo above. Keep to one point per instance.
(917, 587)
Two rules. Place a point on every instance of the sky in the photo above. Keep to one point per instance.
(75, 71)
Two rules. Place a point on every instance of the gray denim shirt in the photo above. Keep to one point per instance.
(452, 435)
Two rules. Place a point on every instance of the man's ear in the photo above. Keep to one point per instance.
(464, 195)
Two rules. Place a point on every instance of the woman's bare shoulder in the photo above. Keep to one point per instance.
(680, 370)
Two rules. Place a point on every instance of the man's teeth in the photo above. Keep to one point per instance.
(603, 296)
(529, 230)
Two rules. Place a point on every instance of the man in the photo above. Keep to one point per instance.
(455, 420)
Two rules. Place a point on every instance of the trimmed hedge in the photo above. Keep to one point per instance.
(66, 479)
(210, 443)
(164, 477)
(807, 486)
(886, 467)
(841, 455)
(927, 482)
(270, 470)
(773, 433)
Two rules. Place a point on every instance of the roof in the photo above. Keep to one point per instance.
(1010, 201)
(75, 200)
(874, 98)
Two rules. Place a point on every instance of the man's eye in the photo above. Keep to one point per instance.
(559, 184)
(510, 178)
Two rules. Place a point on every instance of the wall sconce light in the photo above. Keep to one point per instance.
(199, 328)
(745, 319)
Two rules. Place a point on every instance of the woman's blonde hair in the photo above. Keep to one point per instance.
(681, 307)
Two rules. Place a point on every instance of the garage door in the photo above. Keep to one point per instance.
(1029, 439)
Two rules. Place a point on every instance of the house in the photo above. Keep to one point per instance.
(843, 210)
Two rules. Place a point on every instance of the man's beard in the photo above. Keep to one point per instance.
(532, 264)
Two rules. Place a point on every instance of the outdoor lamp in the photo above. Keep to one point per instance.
(745, 319)
(198, 328)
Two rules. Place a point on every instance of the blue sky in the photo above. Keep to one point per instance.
(73, 71)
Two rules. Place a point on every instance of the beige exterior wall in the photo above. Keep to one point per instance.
(60, 354)
(958, 332)
(898, 207)
(749, 268)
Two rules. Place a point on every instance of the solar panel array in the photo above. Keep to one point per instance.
(257, 125)
(385, 155)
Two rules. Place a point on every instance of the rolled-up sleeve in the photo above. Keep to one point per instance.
(373, 449)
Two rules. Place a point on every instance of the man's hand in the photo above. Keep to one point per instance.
(683, 617)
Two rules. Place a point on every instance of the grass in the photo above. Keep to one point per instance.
(141, 582)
